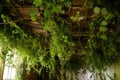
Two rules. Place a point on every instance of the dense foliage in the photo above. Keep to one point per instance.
(52, 56)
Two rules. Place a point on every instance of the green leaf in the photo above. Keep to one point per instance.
(103, 36)
(103, 29)
(33, 15)
(104, 11)
(104, 23)
(57, 9)
(97, 10)
(89, 4)
(73, 18)
(46, 13)
(33, 18)
(38, 3)
(67, 3)
(109, 16)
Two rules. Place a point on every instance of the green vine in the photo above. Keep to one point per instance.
(104, 30)
(51, 58)
(54, 56)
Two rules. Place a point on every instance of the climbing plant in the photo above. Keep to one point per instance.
(52, 56)
(104, 30)
(50, 59)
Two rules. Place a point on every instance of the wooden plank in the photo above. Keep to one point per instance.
(78, 2)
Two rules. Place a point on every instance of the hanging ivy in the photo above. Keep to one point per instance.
(54, 55)
(104, 30)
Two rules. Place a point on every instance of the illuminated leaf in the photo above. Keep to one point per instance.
(104, 23)
(103, 29)
(97, 10)
(38, 2)
(104, 37)
(57, 9)
(33, 15)
(109, 16)
(104, 11)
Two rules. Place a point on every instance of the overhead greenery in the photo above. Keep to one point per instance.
(55, 56)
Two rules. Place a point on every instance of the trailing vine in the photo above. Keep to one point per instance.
(53, 56)
(104, 30)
